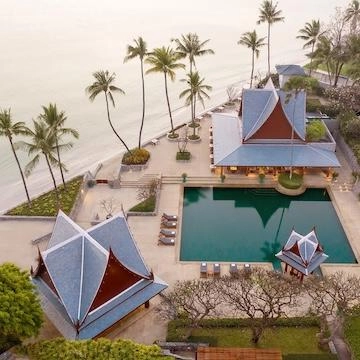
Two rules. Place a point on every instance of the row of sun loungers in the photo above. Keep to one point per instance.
(167, 234)
(215, 271)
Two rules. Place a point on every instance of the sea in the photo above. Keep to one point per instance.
(50, 48)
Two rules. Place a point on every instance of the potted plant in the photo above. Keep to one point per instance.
(261, 178)
(222, 177)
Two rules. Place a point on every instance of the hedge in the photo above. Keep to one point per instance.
(294, 183)
(309, 357)
(136, 157)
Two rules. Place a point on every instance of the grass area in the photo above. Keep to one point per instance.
(313, 105)
(352, 334)
(323, 67)
(294, 183)
(295, 340)
(45, 205)
(147, 205)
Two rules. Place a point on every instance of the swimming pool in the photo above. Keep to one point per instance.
(251, 225)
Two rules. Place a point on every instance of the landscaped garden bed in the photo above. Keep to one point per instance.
(293, 183)
(136, 157)
(46, 204)
(291, 336)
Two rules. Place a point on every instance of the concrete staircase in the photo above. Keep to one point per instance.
(146, 179)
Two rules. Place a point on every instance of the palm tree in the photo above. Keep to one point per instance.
(10, 129)
(196, 91)
(269, 14)
(251, 40)
(352, 13)
(103, 83)
(55, 120)
(190, 46)
(324, 55)
(310, 33)
(165, 60)
(43, 142)
(139, 50)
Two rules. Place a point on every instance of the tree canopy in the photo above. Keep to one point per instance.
(20, 312)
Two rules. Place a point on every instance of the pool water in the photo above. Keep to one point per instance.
(252, 225)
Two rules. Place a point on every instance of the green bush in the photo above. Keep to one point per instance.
(294, 183)
(313, 105)
(148, 205)
(136, 157)
(352, 332)
(315, 130)
(99, 349)
(183, 155)
(46, 205)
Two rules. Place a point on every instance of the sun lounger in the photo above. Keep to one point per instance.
(168, 233)
(169, 217)
(233, 269)
(216, 270)
(203, 270)
(168, 224)
(166, 241)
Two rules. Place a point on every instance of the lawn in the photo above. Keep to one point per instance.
(290, 340)
(148, 205)
(352, 334)
(45, 205)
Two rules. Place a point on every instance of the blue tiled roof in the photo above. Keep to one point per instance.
(295, 70)
(77, 265)
(304, 155)
(115, 233)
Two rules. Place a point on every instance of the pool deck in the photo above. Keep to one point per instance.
(145, 326)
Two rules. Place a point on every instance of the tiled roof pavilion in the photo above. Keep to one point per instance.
(270, 132)
(89, 280)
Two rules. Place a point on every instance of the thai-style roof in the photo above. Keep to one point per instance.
(263, 136)
(303, 253)
(262, 107)
(291, 70)
(83, 280)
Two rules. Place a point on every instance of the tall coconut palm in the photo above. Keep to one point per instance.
(251, 40)
(140, 51)
(42, 142)
(324, 55)
(270, 15)
(103, 83)
(352, 13)
(196, 91)
(310, 33)
(165, 60)
(189, 45)
(56, 120)
(10, 129)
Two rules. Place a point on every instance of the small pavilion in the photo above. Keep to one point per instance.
(89, 280)
(302, 254)
(268, 136)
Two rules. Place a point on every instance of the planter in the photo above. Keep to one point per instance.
(193, 125)
(183, 156)
(194, 139)
(172, 136)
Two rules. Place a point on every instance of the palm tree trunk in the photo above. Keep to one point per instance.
(194, 100)
(268, 46)
(60, 166)
(329, 72)
(54, 182)
(111, 125)
(21, 172)
(252, 68)
(168, 104)
(311, 59)
(143, 101)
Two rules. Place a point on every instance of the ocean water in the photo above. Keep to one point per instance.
(51, 48)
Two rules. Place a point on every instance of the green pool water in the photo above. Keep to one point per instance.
(251, 225)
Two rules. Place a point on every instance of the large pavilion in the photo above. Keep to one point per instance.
(89, 280)
(269, 135)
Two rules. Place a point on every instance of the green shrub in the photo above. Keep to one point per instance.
(136, 157)
(46, 205)
(147, 205)
(183, 155)
(92, 349)
(294, 183)
(315, 130)
(352, 332)
(313, 105)
(91, 183)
